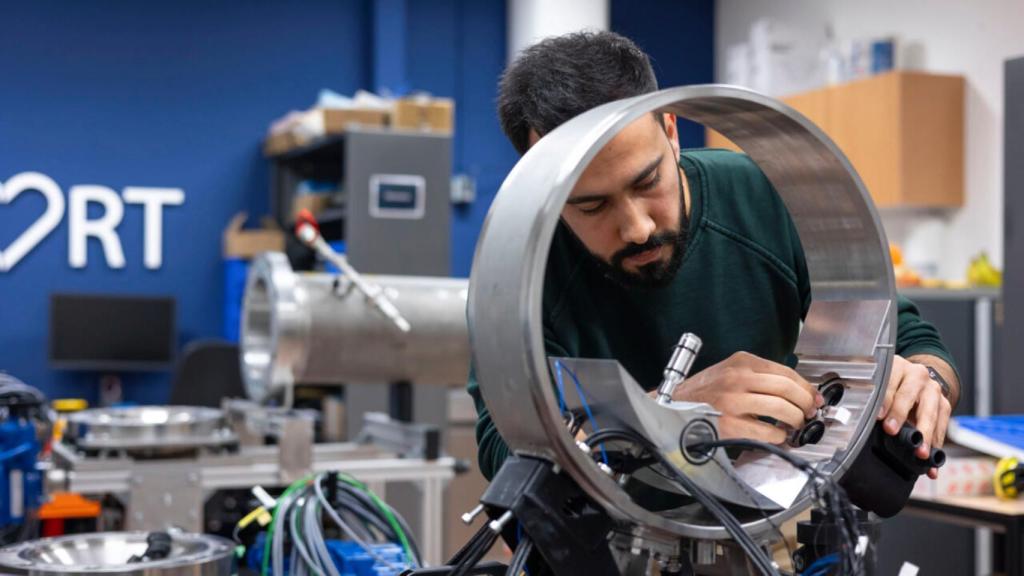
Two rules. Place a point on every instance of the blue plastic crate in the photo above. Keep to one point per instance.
(996, 435)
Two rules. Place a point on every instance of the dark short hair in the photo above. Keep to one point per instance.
(561, 77)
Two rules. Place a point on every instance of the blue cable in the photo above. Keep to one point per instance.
(583, 400)
(820, 566)
(561, 387)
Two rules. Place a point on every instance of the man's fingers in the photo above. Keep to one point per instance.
(903, 402)
(786, 388)
(758, 364)
(926, 416)
(744, 427)
(765, 405)
(895, 376)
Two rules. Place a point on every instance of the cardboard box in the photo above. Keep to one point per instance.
(432, 115)
(239, 243)
(337, 121)
(279, 143)
(315, 203)
(321, 122)
(960, 476)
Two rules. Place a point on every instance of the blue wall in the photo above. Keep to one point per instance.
(456, 49)
(174, 94)
(180, 95)
(679, 37)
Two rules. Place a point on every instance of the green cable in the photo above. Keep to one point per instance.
(273, 519)
(385, 509)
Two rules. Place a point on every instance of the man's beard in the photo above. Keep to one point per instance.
(657, 274)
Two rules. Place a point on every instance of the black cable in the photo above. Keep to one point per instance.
(834, 501)
(519, 558)
(754, 552)
(358, 503)
(461, 554)
(753, 502)
(476, 554)
(353, 507)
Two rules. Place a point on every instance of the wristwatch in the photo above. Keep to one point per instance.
(934, 374)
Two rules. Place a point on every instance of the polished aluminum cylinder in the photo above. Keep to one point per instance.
(315, 328)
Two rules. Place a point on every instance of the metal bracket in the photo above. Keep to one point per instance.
(295, 448)
(166, 496)
(407, 439)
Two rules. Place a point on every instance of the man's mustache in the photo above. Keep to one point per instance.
(663, 239)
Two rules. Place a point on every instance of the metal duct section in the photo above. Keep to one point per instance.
(312, 328)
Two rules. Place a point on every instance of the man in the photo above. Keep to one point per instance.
(655, 241)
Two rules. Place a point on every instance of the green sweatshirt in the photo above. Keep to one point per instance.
(743, 286)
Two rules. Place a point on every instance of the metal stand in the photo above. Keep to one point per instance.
(158, 493)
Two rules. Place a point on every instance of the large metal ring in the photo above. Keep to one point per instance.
(845, 245)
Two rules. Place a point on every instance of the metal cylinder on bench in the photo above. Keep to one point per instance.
(311, 328)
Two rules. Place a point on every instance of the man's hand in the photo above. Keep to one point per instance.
(913, 395)
(743, 387)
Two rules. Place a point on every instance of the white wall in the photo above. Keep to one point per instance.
(533, 20)
(943, 36)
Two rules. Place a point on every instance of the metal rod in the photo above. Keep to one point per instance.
(679, 365)
(309, 234)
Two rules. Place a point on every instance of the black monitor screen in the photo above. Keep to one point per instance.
(103, 332)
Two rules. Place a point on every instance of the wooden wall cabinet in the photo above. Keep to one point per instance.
(902, 131)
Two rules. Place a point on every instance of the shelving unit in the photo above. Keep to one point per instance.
(361, 159)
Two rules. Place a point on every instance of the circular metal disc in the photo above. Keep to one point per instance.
(148, 428)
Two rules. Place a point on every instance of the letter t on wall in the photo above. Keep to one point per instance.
(153, 201)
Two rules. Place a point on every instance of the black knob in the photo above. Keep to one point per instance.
(811, 433)
(832, 391)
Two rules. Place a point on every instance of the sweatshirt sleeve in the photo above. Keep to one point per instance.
(491, 450)
(916, 336)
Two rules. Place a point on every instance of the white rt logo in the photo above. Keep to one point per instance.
(80, 227)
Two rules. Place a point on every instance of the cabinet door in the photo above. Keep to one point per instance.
(813, 105)
(863, 120)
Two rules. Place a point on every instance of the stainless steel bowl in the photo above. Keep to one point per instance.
(148, 428)
(108, 553)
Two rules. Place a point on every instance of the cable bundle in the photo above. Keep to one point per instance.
(826, 491)
(361, 516)
(473, 551)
